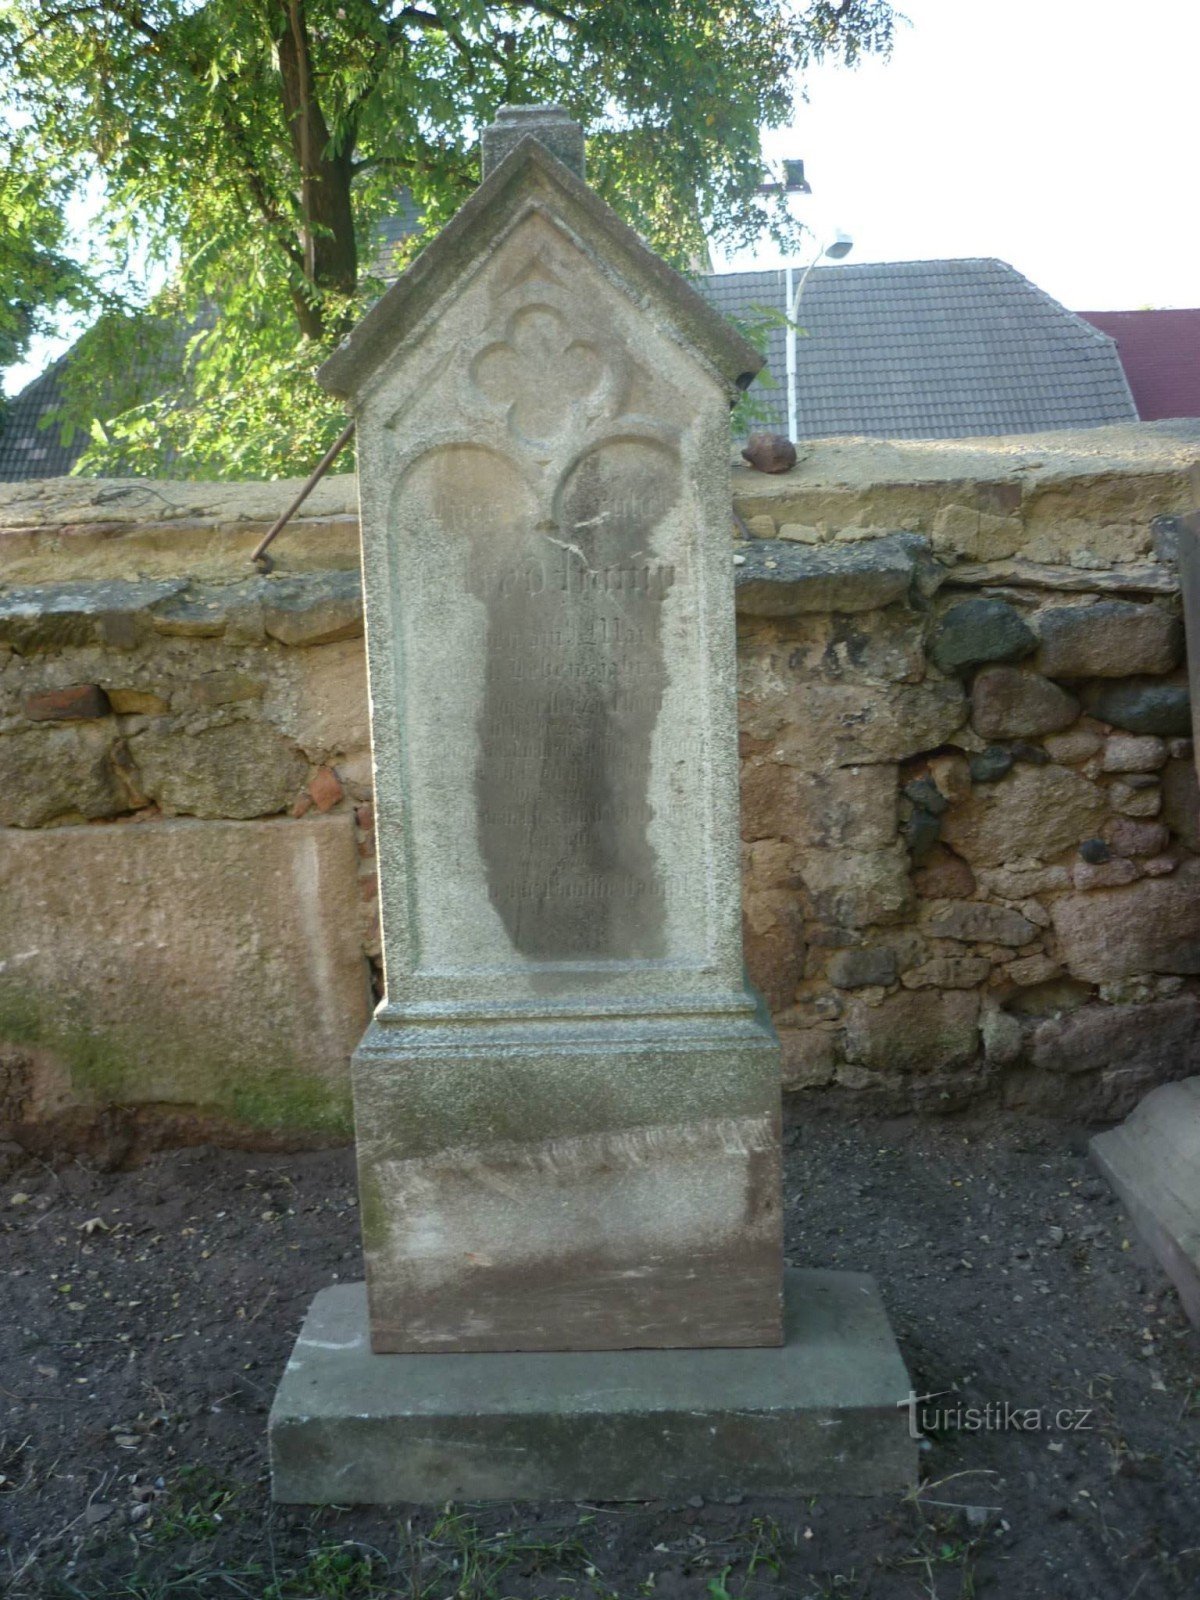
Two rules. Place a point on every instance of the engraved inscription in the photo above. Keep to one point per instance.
(574, 682)
(575, 679)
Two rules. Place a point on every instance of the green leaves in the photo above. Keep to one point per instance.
(251, 147)
(38, 279)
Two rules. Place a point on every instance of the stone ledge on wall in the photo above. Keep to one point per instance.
(1087, 498)
(970, 813)
(779, 578)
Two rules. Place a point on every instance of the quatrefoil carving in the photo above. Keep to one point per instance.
(538, 372)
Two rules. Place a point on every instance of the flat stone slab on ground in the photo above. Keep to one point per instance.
(824, 1413)
(1152, 1161)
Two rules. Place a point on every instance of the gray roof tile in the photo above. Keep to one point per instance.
(29, 449)
(931, 349)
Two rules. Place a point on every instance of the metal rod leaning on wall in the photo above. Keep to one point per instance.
(260, 558)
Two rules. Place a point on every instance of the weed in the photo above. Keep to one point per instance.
(717, 1587)
(195, 1508)
(942, 1554)
(766, 1547)
(459, 1561)
(337, 1570)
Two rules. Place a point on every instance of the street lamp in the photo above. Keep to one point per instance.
(838, 248)
(792, 182)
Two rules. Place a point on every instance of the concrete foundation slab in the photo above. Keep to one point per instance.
(824, 1413)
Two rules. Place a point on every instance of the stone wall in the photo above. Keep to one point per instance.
(969, 799)
(972, 842)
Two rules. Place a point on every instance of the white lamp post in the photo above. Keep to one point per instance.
(837, 249)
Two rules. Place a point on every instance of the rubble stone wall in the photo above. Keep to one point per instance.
(970, 814)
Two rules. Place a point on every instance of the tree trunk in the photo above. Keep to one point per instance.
(330, 251)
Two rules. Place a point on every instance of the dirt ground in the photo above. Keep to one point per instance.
(149, 1312)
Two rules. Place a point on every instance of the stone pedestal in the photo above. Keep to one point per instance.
(825, 1413)
(598, 1183)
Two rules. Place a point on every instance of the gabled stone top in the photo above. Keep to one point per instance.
(529, 175)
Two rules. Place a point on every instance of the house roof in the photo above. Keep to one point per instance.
(28, 450)
(32, 445)
(530, 174)
(931, 349)
(1160, 351)
(746, 296)
(391, 232)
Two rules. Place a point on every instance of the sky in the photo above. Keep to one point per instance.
(1058, 135)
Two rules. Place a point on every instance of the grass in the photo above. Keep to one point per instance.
(764, 1548)
(457, 1558)
(204, 1538)
(196, 1509)
(456, 1555)
(941, 1558)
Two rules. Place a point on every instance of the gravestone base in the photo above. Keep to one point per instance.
(824, 1413)
(596, 1183)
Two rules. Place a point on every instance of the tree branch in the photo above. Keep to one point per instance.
(425, 19)
(368, 163)
(269, 209)
(301, 120)
(131, 15)
(547, 10)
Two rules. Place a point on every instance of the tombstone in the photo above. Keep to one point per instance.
(567, 1107)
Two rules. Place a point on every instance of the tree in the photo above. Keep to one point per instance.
(38, 277)
(251, 147)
